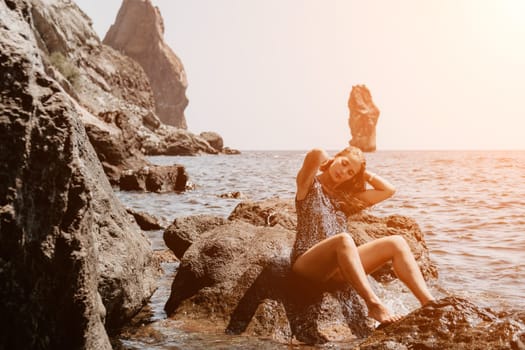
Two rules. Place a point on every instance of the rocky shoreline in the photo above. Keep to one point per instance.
(234, 278)
(79, 117)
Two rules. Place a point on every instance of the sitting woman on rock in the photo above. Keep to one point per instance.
(329, 189)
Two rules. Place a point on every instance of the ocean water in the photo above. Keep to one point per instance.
(469, 204)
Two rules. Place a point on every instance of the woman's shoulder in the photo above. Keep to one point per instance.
(305, 192)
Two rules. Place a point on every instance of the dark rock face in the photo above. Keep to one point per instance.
(186, 230)
(73, 266)
(363, 118)
(251, 290)
(138, 32)
(449, 323)
(237, 275)
(155, 178)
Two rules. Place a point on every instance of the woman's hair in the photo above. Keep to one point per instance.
(345, 192)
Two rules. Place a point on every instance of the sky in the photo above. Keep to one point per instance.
(277, 74)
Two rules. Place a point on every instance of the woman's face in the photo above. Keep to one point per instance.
(344, 168)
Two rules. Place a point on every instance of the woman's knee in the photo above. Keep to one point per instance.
(399, 244)
(345, 242)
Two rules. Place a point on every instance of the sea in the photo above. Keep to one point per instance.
(470, 206)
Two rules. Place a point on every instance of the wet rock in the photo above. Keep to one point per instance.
(363, 118)
(145, 220)
(186, 230)
(155, 178)
(237, 274)
(449, 323)
(232, 195)
(73, 265)
(238, 277)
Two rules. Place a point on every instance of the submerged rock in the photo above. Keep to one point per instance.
(73, 264)
(363, 118)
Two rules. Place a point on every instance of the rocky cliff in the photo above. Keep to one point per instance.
(363, 118)
(138, 32)
(73, 264)
(112, 93)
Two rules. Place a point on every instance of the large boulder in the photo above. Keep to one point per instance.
(73, 264)
(363, 118)
(138, 31)
(236, 274)
(181, 234)
(450, 323)
(236, 278)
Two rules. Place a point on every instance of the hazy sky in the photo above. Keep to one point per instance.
(276, 74)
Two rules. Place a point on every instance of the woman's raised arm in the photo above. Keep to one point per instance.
(382, 189)
(305, 176)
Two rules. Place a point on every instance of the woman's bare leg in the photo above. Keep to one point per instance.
(339, 253)
(378, 252)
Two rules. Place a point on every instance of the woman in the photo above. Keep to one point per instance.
(328, 189)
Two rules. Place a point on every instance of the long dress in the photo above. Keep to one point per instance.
(318, 217)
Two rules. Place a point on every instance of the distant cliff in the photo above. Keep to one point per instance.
(138, 32)
(363, 118)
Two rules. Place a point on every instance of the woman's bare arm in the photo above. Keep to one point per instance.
(382, 189)
(305, 176)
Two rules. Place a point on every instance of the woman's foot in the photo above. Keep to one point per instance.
(380, 313)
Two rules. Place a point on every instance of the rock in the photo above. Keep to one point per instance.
(363, 118)
(252, 291)
(230, 151)
(138, 32)
(365, 228)
(270, 212)
(113, 93)
(144, 220)
(184, 231)
(232, 195)
(155, 178)
(73, 266)
(117, 147)
(449, 323)
(214, 139)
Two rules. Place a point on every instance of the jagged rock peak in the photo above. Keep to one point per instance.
(138, 32)
(363, 118)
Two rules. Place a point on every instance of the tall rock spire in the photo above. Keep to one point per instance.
(363, 118)
(138, 32)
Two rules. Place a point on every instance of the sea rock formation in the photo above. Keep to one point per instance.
(112, 92)
(73, 264)
(234, 276)
(252, 292)
(138, 32)
(362, 119)
(450, 323)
